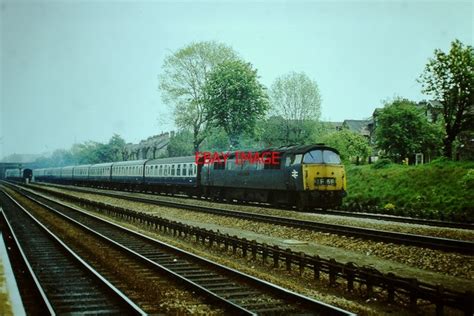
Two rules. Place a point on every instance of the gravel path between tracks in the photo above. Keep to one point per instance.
(305, 285)
(450, 264)
(5, 304)
(442, 232)
(159, 294)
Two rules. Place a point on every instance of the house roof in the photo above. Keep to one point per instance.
(358, 126)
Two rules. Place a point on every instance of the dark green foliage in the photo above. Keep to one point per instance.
(217, 140)
(181, 144)
(114, 148)
(235, 100)
(449, 78)
(403, 130)
(382, 163)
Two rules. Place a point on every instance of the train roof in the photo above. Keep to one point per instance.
(100, 165)
(130, 163)
(290, 149)
(301, 149)
(185, 159)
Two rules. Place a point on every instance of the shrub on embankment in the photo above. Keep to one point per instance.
(439, 190)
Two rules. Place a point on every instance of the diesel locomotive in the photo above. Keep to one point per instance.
(309, 176)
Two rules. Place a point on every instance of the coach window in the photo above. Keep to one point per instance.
(194, 170)
(184, 170)
(178, 170)
(172, 170)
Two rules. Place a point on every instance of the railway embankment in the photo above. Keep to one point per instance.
(438, 190)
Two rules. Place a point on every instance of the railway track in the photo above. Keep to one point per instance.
(384, 217)
(63, 282)
(235, 291)
(400, 219)
(444, 244)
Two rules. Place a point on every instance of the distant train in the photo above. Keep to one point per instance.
(310, 176)
(18, 174)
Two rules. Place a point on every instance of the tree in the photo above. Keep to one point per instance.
(235, 100)
(274, 135)
(184, 75)
(349, 144)
(181, 144)
(216, 141)
(295, 97)
(449, 78)
(402, 129)
(114, 148)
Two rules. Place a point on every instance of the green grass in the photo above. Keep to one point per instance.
(440, 190)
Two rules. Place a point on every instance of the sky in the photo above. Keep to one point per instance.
(73, 71)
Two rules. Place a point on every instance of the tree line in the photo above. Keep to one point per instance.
(214, 93)
(219, 104)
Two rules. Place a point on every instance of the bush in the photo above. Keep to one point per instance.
(382, 163)
(468, 180)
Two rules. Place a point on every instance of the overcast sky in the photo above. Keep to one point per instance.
(73, 71)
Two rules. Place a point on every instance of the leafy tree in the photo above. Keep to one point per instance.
(402, 129)
(89, 152)
(182, 81)
(449, 78)
(349, 144)
(115, 147)
(181, 144)
(59, 158)
(235, 100)
(216, 141)
(274, 135)
(296, 98)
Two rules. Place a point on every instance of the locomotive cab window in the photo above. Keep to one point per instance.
(321, 156)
